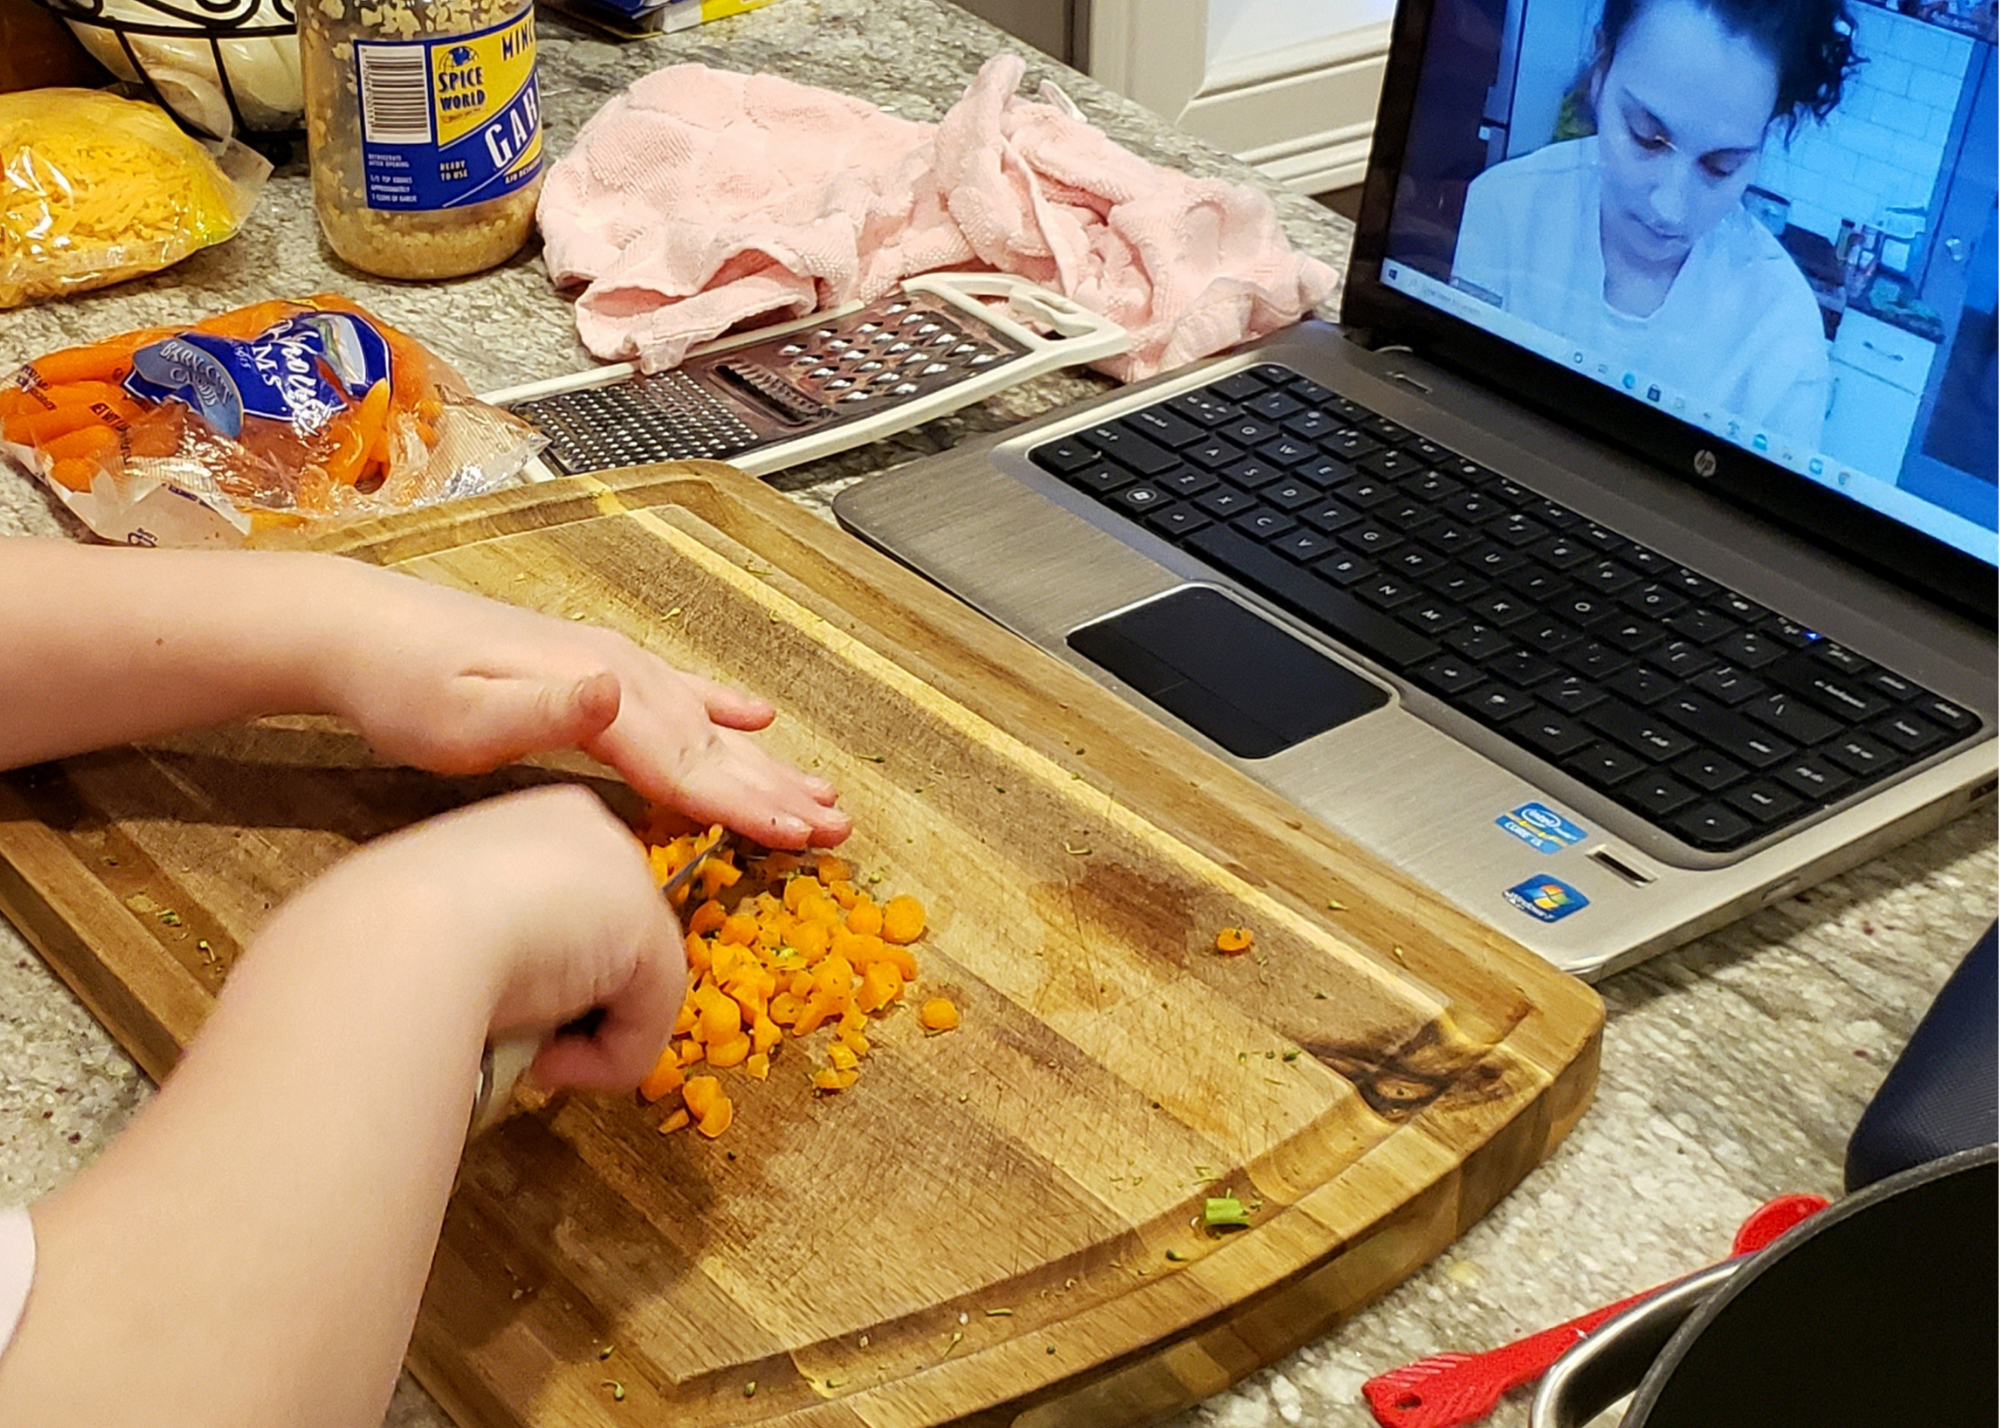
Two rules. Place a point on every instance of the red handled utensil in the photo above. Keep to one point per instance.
(1452, 1390)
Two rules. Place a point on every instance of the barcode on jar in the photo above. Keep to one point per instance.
(395, 93)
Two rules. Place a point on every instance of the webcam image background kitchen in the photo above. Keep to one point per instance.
(1885, 203)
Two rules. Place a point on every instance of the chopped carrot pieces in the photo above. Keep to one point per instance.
(715, 1120)
(1234, 941)
(665, 1077)
(673, 1122)
(938, 1014)
(833, 870)
(903, 920)
(700, 1093)
(759, 1066)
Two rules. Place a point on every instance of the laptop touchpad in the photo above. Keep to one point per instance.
(1226, 670)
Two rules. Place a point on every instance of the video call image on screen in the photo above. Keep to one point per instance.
(1774, 219)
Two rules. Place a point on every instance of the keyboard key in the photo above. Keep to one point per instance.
(1788, 632)
(1308, 391)
(1459, 586)
(1642, 684)
(1908, 733)
(1425, 450)
(1312, 425)
(1366, 492)
(1474, 507)
(1728, 684)
(1495, 703)
(1492, 561)
(1186, 482)
(1656, 793)
(1863, 754)
(1580, 607)
(1304, 546)
(1137, 500)
(1550, 734)
(1433, 486)
(1511, 492)
(1556, 517)
(1133, 452)
(1323, 472)
(1622, 632)
(1160, 425)
(1710, 825)
(1514, 529)
(1561, 551)
(1892, 686)
(1792, 717)
(1390, 465)
(1548, 636)
(1607, 541)
(1264, 524)
(1213, 454)
(1812, 778)
(1369, 538)
(1386, 430)
(1709, 771)
(1431, 617)
(1349, 444)
(1647, 564)
(1702, 625)
(1606, 577)
(1734, 605)
(1503, 609)
(1689, 583)
(1240, 387)
(1389, 592)
(1447, 674)
(1203, 407)
(1655, 599)
(1226, 502)
(1726, 730)
(1594, 660)
(1521, 668)
(1100, 479)
(1288, 451)
(1327, 606)
(1064, 456)
(1945, 713)
(1415, 562)
(1834, 692)
(1247, 431)
(1177, 520)
(1274, 406)
(1538, 583)
(1273, 372)
(1329, 516)
(1843, 659)
(1571, 693)
(1344, 568)
(1290, 495)
(1478, 641)
(1750, 648)
(1604, 765)
(1643, 732)
(1251, 473)
(1763, 802)
(1450, 536)
(1681, 658)
(1464, 469)
(1406, 515)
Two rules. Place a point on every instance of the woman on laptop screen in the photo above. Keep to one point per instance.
(1633, 241)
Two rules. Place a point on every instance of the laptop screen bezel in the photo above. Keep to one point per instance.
(1380, 315)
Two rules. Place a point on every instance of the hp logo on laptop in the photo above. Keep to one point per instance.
(1704, 462)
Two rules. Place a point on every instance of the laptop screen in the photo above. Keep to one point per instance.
(1771, 219)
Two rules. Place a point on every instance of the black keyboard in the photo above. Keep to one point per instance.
(1710, 716)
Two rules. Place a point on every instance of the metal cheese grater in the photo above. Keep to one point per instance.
(774, 398)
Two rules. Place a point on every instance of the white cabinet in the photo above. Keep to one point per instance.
(1287, 85)
(1879, 373)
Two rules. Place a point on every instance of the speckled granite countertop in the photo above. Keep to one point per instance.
(1733, 1069)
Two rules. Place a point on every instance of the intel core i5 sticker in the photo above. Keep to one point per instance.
(1541, 827)
(1549, 899)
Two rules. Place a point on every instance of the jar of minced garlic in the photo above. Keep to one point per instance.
(424, 129)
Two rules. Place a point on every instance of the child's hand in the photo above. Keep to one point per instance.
(546, 903)
(458, 684)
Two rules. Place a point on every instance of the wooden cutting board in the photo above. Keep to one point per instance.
(996, 1224)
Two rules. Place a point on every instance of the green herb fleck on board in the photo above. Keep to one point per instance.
(1224, 1212)
(171, 918)
(1177, 1257)
(617, 1389)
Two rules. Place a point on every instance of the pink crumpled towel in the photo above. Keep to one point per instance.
(700, 199)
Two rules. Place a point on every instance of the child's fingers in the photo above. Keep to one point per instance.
(638, 1022)
(743, 787)
(732, 708)
(500, 720)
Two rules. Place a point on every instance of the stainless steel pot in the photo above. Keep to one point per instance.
(1878, 1311)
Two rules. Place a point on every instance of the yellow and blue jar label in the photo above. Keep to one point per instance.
(451, 122)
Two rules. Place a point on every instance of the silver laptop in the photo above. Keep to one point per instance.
(1626, 561)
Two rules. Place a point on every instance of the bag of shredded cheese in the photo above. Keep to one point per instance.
(95, 189)
(271, 416)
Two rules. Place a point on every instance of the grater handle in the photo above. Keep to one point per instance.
(1081, 335)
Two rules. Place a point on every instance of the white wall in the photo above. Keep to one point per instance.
(1238, 29)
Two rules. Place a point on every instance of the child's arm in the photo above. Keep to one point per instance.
(106, 646)
(252, 1249)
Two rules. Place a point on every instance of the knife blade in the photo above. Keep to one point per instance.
(686, 875)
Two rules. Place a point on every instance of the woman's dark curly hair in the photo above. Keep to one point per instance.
(1810, 41)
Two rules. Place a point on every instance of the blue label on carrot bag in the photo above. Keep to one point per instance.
(452, 122)
(302, 371)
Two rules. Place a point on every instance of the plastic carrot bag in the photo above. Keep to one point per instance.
(95, 189)
(276, 414)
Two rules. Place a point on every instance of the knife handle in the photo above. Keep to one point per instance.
(502, 1063)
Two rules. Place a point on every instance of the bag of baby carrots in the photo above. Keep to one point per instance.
(276, 414)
